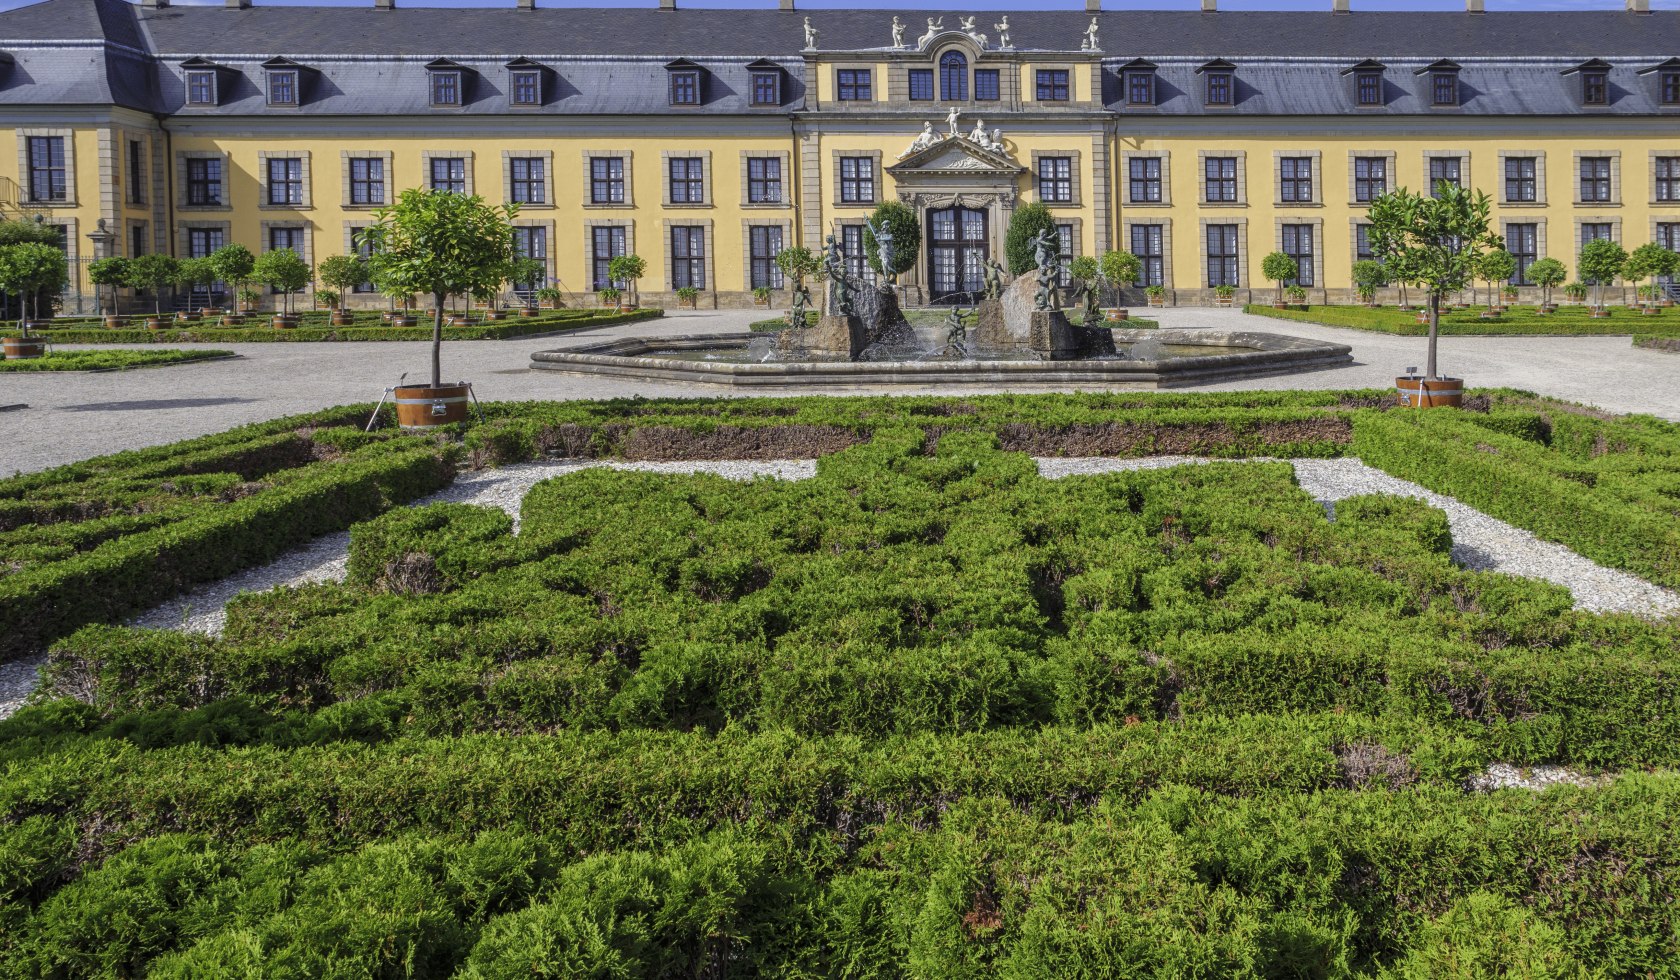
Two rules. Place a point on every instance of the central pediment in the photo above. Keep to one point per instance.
(956, 155)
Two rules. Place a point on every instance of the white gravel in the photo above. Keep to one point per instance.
(1502, 775)
(1479, 541)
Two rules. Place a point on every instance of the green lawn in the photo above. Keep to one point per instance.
(1518, 320)
(107, 360)
(314, 326)
(925, 714)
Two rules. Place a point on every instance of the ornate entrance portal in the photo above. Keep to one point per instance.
(958, 244)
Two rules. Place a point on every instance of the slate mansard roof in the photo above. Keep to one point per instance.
(363, 61)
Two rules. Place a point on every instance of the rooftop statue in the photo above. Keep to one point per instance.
(1002, 27)
(934, 27)
(897, 32)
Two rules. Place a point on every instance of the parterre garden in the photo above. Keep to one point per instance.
(316, 326)
(106, 360)
(927, 714)
(1570, 320)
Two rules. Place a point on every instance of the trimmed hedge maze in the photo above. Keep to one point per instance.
(925, 715)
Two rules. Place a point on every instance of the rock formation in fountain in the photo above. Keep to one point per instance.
(1013, 324)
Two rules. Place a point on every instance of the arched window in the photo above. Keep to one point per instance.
(953, 77)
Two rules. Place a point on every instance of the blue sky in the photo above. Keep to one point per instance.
(999, 4)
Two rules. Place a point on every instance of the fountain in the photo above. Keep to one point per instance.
(863, 337)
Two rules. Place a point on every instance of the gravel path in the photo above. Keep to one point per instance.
(1479, 541)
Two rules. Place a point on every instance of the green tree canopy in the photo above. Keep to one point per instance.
(233, 263)
(1435, 241)
(1368, 277)
(31, 268)
(1600, 264)
(1649, 261)
(1548, 274)
(343, 273)
(439, 243)
(285, 270)
(906, 231)
(628, 269)
(112, 272)
(1120, 269)
(1025, 226)
(1279, 268)
(1496, 266)
(152, 272)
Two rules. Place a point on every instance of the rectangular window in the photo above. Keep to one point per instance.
(1370, 178)
(1668, 236)
(46, 169)
(364, 250)
(1295, 180)
(449, 174)
(856, 256)
(1523, 242)
(530, 243)
(763, 243)
(1221, 179)
(986, 87)
(204, 181)
(202, 242)
(1148, 244)
(1670, 88)
(526, 88)
(137, 241)
(1219, 88)
(764, 180)
(1595, 88)
(367, 180)
(685, 88)
(1593, 231)
(1052, 85)
(283, 88)
(201, 88)
(688, 180)
(1064, 253)
(285, 181)
(766, 88)
(854, 84)
(446, 88)
(1595, 179)
(525, 174)
(1145, 180)
(1442, 170)
(1443, 88)
(1370, 88)
(857, 180)
(608, 244)
(1520, 184)
(1298, 245)
(1362, 244)
(606, 180)
(279, 238)
(1055, 180)
(921, 84)
(136, 172)
(1222, 255)
(688, 257)
(1140, 88)
(1667, 178)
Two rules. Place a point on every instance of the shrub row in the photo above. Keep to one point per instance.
(1518, 321)
(107, 360)
(499, 330)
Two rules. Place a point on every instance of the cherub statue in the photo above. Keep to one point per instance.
(934, 27)
(1002, 27)
(1091, 38)
(1044, 253)
(955, 332)
(951, 120)
(839, 289)
(897, 32)
(993, 273)
(967, 26)
(801, 301)
(810, 35)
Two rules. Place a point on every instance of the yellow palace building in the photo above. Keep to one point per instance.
(707, 140)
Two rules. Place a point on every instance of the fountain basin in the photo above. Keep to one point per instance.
(1230, 355)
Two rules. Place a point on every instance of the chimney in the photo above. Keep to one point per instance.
(237, 4)
(785, 4)
(384, 4)
(1639, 6)
(667, 4)
(527, 4)
(1210, 6)
(1093, 6)
(1474, 7)
(1340, 7)
(154, 4)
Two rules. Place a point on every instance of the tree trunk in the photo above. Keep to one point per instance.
(1434, 332)
(437, 339)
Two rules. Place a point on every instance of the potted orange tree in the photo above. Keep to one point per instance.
(27, 269)
(233, 263)
(1118, 269)
(1548, 274)
(438, 243)
(1600, 264)
(112, 272)
(627, 271)
(1440, 241)
(1279, 268)
(341, 274)
(285, 271)
(152, 272)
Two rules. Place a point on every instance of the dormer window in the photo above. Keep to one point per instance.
(1139, 77)
(1668, 81)
(1595, 81)
(447, 84)
(202, 81)
(283, 87)
(684, 81)
(1443, 83)
(1219, 78)
(766, 83)
(525, 82)
(1367, 83)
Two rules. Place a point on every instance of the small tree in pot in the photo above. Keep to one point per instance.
(153, 272)
(529, 273)
(30, 269)
(286, 271)
(1368, 277)
(437, 242)
(1601, 262)
(550, 295)
(1496, 266)
(341, 274)
(112, 272)
(1651, 261)
(1279, 268)
(233, 264)
(189, 275)
(1119, 270)
(627, 271)
(1548, 274)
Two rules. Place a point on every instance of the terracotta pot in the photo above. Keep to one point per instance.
(1157, 301)
(188, 317)
(233, 320)
(631, 308)
(23, 348)
(154, 323)
(454, 320)
(284, 322)
(1222, 301)
(113, 323)
(1119, 314)
(1548, 308)
(342, 319)
(209, 311)
(528, 311)
(421, 407)
(1415, 392)
(1649, 311)
(405, 321)
(1600, 312)
(495, 315)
